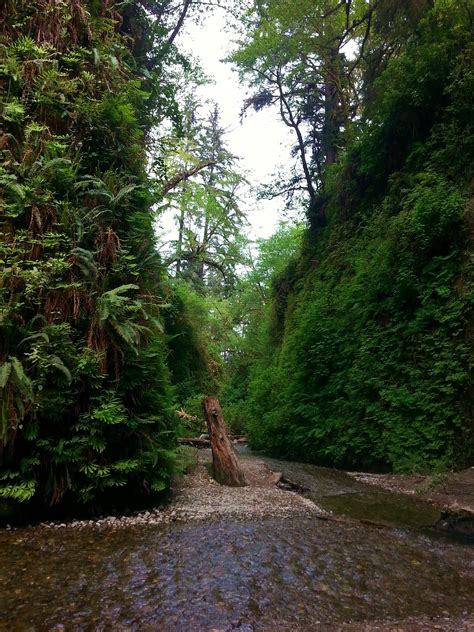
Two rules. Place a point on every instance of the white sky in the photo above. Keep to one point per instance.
(261, 141)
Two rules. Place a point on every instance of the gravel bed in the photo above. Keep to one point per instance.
(202, 497)
(198, 497)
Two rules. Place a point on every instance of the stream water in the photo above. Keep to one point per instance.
(265, 574)
(339, 493)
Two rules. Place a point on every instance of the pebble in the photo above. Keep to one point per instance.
(199, 498)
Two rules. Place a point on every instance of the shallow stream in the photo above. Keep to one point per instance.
(338, 492)
(263, 574)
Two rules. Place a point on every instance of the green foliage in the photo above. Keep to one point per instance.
(295, 55)
(210, 242)
(187, 459)
(369, 360)
(16, 393)
(194, 346)
(250, 316)
(86, 402)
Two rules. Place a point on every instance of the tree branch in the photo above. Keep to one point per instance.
(290, 121)
(184, 175)
(179, 23)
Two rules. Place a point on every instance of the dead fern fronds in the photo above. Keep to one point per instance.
(109, 245)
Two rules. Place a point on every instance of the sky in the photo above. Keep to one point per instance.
(260, 140)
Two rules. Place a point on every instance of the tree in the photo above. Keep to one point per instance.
(309, 59)
(210, 243)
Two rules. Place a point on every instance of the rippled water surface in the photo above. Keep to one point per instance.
(227, 575)
(341, 494)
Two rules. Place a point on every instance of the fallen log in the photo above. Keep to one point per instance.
(276, 477)
(203, 442)
(226, 467)
(195, 441)
(241, 439)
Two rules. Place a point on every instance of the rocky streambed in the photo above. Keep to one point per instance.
(255, 558)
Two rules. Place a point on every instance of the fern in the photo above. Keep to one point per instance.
(21, 493)
(20, 379)
(58, 364)
(77, 378)
(5, 371)
(13, 111)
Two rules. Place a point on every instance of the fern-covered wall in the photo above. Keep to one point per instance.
(370, 346)
(84, 386)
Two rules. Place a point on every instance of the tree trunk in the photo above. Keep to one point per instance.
(205, 237)
(227, 470)
(330, 131)
(179, 247)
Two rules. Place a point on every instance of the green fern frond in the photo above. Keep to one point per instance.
(20, 379)
(60, 366)
(124, 192)
(20, 493)
(5, 371)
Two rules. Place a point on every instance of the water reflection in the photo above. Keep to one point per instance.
(227, 575)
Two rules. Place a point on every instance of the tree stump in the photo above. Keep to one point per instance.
(226, 467)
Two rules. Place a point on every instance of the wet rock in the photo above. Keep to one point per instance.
(459, 521)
